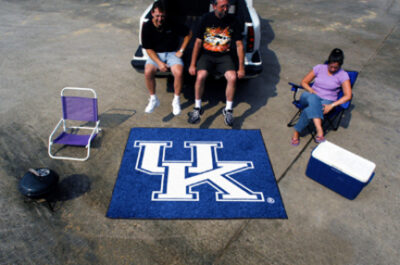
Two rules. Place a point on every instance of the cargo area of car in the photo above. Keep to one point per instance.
(189, 14)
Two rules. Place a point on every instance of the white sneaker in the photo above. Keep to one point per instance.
(153, 103)
(176, 107)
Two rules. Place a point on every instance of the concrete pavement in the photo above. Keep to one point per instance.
(47, 45)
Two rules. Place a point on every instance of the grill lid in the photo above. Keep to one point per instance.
(37, 183)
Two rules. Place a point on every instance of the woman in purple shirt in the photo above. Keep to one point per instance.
(322, 96)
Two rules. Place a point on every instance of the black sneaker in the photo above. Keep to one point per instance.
(228, 116)
(194, 116)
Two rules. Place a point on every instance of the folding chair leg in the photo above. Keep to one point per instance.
(335, 122)
(338, 122)
(294, 120)
(68, 157)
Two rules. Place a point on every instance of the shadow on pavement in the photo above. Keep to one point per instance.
(115, 117)
(67, 189)
(72, 187)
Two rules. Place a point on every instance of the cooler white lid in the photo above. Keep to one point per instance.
(344, 161)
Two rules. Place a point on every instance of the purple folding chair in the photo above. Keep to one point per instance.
(83, 109)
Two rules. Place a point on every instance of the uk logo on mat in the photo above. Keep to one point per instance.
(179, 177)
(195, 173)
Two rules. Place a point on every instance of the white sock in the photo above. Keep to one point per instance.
(229, 105)
(197, 103)
(153, 97)
(176, 98)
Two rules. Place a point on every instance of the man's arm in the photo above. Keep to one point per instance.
(153, 55)
(185, 42)
(240, 52)
(195, 54)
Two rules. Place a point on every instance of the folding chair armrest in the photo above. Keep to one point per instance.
(295, 87)
(55, 130)
(94, 131)
(98, 126)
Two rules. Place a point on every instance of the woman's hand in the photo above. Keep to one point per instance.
(328, 108)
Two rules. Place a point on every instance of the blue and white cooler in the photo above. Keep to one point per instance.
(339, 169)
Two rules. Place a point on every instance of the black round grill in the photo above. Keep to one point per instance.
(38, 183)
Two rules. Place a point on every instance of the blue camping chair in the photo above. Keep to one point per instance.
(331, 119)
(76, 109)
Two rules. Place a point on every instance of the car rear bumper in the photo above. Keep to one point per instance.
(252, 69)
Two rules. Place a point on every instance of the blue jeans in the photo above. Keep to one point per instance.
(313, 108)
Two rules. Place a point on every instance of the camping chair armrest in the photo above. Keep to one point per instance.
(295, 88)
(95, 130)
(55, 130)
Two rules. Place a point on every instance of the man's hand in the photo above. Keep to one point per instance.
(179, 54)
(163, 67)
(241, 73)
(192, 70)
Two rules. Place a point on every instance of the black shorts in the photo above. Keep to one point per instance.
(216, 64)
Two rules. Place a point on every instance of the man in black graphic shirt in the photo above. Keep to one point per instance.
(217, 31)
(160, 38)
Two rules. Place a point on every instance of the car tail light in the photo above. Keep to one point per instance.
(250, 39)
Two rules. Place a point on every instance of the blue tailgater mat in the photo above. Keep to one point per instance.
(176, 173)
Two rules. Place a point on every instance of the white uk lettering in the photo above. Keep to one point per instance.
(178, 178)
